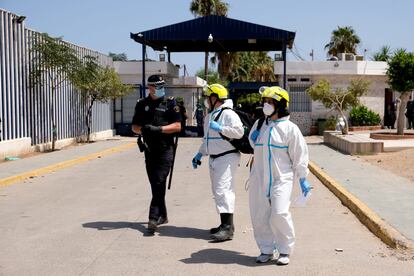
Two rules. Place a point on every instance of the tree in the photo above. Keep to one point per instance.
(253, 66)
(384, 54)
(206, 8)
(97, 84)
(226, 63)
(263, 69)
(54, 64)
(118, 57)
(401, 78)
(340, 99)
(212, 76)
(343, 40)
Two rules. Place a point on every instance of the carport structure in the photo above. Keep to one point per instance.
(214, 34)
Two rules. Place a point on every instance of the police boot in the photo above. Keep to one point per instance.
(226, 229)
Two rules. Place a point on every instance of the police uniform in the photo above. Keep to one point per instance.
(160, 147)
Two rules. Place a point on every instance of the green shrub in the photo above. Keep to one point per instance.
(362, 116)
(330, 123)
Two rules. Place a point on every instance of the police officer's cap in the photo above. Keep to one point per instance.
(156, 80)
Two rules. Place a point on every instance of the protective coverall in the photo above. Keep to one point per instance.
(280, 156)
(222, 168)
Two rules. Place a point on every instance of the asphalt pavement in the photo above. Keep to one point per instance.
(90, 219)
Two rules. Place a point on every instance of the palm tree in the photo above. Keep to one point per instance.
(384, 54)
(253, 66)
(205, 8)
(227, 61)
(263, 70)
(208, 7)
(343, 40)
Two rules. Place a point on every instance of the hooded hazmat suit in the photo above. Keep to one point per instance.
(280, 156)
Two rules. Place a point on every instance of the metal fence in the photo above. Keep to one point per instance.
(24, 108)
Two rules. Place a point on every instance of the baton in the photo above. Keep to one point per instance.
(172, 166)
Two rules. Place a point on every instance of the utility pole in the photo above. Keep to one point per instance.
(311, 54)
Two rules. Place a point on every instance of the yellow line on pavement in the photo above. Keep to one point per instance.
(388, 234)
(61, 165)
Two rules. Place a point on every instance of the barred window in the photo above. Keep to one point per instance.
(299, 98)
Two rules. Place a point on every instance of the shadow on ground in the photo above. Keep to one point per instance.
(163, 230)
(220, 256)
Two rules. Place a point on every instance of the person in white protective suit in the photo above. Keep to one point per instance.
(280, 156)
(224, 158)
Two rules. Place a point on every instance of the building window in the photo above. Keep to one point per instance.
(299, 98)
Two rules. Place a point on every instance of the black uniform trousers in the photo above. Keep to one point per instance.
(158, 164)
(410, 121)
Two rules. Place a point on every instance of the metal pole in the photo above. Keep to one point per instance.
(144, 49)
(169, 57)
(284, 63)
(206, 66)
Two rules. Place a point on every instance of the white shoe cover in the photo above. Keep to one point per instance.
(283, 259)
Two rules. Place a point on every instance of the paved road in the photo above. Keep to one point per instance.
(89, 219)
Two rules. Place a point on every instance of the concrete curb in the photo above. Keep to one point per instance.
(388, 234)
(65, 164)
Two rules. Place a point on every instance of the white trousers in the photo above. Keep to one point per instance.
(222, 172)
(271, 218)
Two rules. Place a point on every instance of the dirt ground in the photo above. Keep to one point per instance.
(400, 162)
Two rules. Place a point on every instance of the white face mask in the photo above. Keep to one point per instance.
(207, 103)
(268, 109)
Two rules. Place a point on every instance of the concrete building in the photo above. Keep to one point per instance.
(302, 74)
(188, 88)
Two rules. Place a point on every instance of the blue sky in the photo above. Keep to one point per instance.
(105, 25)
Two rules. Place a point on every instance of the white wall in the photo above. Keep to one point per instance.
(331, 68)
(131, 71)
(340, 74)
(374, 99)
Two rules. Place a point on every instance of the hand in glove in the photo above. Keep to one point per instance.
(254, 135)
(216, 126)
(197, 160)
(150, 129)
(305, 186)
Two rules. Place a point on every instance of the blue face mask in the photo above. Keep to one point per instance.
(160, 92)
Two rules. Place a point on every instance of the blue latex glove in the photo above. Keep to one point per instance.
(254, 135)
(216, 126)
(197, 160)
(305, 186)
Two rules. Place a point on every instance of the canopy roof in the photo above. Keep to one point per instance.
(228, 35)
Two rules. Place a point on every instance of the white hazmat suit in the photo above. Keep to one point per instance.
(280, 156)
(223, 168)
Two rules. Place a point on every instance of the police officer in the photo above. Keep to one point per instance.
(157, 119)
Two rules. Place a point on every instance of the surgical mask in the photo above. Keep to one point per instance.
(268, 109)
(207, 103)
(160, 92)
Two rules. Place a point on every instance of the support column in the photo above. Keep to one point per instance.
(284, 63)
(144, 49)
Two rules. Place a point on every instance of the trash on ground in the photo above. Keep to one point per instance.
(11, 158)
